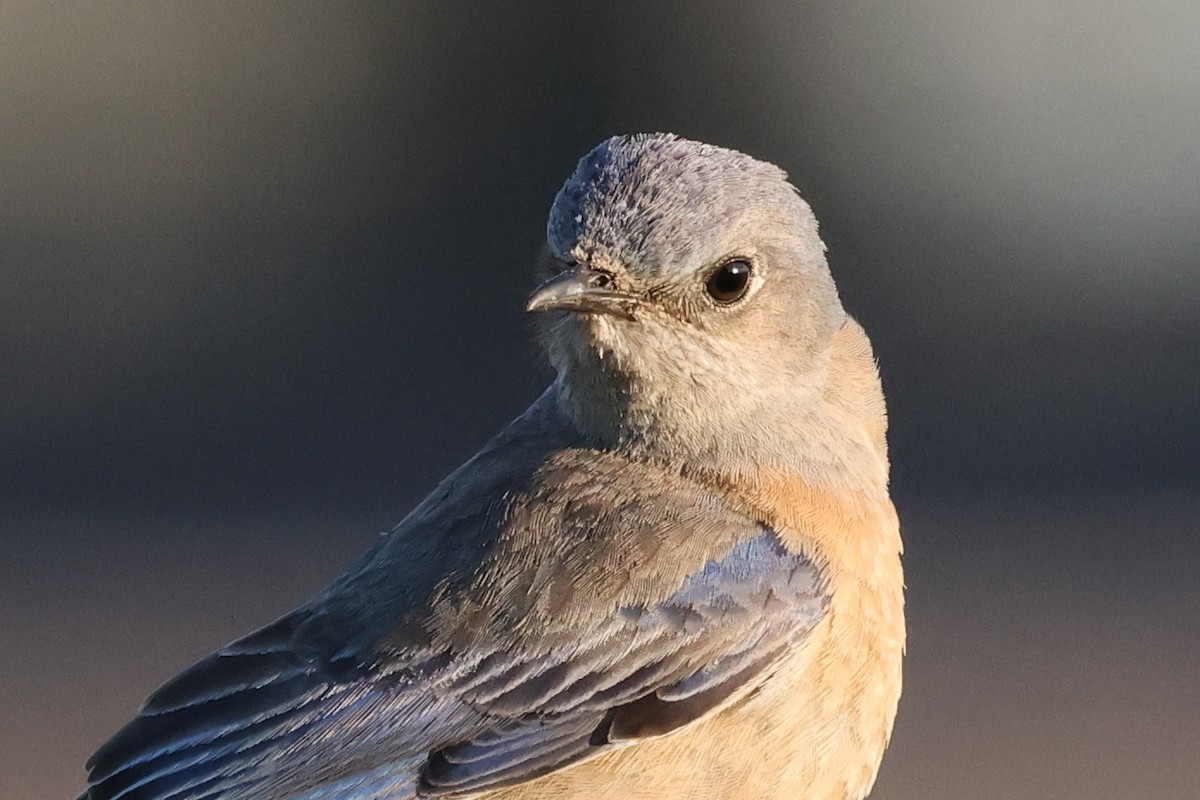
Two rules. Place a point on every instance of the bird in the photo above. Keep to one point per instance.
(676, 575)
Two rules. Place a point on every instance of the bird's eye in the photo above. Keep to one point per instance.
(729, 281)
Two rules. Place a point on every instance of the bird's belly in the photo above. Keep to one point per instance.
(816, 729)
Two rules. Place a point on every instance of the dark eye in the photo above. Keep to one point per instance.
(728, 283)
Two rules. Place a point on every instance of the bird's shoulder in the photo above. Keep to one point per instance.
(544, 529)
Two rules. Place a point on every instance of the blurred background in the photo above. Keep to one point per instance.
(261, 280)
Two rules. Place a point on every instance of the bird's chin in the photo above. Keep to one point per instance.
(588, 341)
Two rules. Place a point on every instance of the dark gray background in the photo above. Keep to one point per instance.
(263, 270)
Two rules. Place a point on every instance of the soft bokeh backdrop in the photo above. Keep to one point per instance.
(262, 274)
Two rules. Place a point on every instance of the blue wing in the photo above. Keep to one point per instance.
(526, 616)
(657, 668)
(274, 717)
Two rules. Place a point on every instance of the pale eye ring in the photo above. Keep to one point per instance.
(729, 281)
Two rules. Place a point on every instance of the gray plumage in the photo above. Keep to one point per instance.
(575, 586)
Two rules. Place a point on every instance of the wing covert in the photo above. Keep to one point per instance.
(653, 669)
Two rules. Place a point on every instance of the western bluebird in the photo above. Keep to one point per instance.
(677, 575)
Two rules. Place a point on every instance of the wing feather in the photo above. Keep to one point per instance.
(528, 615)
(689, 654)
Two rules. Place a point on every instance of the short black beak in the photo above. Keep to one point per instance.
(584, 291)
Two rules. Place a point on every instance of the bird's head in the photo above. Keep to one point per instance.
(689, 296)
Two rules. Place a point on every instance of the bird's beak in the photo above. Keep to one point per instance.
(583, 291)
